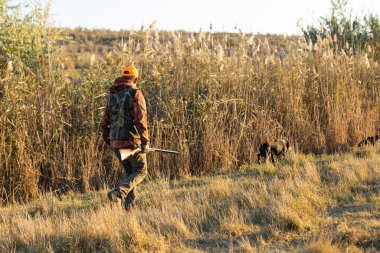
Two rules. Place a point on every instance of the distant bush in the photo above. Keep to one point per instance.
(26, 41)
(352, 35)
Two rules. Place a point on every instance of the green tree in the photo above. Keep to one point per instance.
(353, 35)
(26, 40)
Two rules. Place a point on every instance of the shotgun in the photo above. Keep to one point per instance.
(125, 153)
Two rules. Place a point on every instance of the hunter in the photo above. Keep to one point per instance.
(124, 125)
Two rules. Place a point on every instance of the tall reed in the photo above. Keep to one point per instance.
(212, 97)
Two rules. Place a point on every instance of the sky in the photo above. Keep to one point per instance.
(256, 16)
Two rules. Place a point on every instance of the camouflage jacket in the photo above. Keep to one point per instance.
(124, 121)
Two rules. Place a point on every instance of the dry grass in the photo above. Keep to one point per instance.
(214, 97)
(305, 203)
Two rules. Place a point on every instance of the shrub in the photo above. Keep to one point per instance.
(352, 35)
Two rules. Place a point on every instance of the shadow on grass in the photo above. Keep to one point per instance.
(220, 243)
(50, 206)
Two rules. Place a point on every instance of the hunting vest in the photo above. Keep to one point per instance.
(121, 115)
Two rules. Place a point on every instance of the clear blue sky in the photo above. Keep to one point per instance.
(264, 16)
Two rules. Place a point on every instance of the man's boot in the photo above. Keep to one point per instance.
(129, 200)
(128, 206)
(115, 196)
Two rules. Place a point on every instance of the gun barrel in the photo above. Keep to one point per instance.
(163, 151)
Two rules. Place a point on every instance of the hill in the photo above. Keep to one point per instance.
(82, 44)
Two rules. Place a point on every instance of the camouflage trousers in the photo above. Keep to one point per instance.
(135, 171)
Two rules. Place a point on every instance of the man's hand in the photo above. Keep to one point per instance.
(144, 148)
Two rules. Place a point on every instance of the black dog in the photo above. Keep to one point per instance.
(371, 140)
(272, 148)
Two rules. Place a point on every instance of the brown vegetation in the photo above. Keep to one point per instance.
(210, 98)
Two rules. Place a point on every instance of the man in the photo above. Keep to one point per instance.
(124, 125)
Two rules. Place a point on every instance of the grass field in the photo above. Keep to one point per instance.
(212, 96)
(305, 203)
